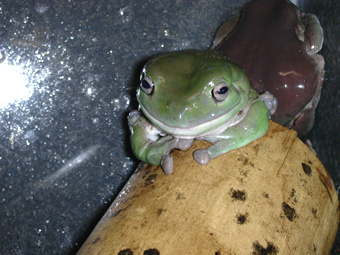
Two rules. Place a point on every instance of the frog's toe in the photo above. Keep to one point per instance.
(270, 101)
(167, 164)
(184, 144)
(202, 156)
(133, 117)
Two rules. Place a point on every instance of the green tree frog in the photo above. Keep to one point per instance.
(193, 94)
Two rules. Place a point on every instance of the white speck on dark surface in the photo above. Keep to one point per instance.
(67, 83)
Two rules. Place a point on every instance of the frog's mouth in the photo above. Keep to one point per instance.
(207, 129)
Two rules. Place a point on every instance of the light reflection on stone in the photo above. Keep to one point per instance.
(14, 84)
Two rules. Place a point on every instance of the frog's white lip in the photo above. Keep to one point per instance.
(202, 130)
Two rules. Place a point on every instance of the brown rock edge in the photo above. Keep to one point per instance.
(272, 196)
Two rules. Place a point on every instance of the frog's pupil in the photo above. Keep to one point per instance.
(222, 90)
(145, 84)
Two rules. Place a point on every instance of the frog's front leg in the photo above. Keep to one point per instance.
(252, 127)
(150, 145)
(312, 34)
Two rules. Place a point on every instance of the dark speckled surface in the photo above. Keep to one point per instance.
(67, 76)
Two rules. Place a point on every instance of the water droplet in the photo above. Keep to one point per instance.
(126, 14)
(30, 136)
(41, 8)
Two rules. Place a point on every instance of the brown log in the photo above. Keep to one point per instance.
(272, 196)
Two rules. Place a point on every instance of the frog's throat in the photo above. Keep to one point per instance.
(202, 130)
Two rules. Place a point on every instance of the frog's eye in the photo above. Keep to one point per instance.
(220, 92)
(147, 85)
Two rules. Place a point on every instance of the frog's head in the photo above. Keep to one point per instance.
(189, 93)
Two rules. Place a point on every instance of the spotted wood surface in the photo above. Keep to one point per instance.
(272, 196)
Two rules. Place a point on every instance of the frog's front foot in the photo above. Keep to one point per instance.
(133, 116)
(313, 33)
(270, 101)
(202, 156)
(167, 164)
(184, 144)
(167, 161)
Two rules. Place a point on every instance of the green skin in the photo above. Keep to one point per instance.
(182, 104)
